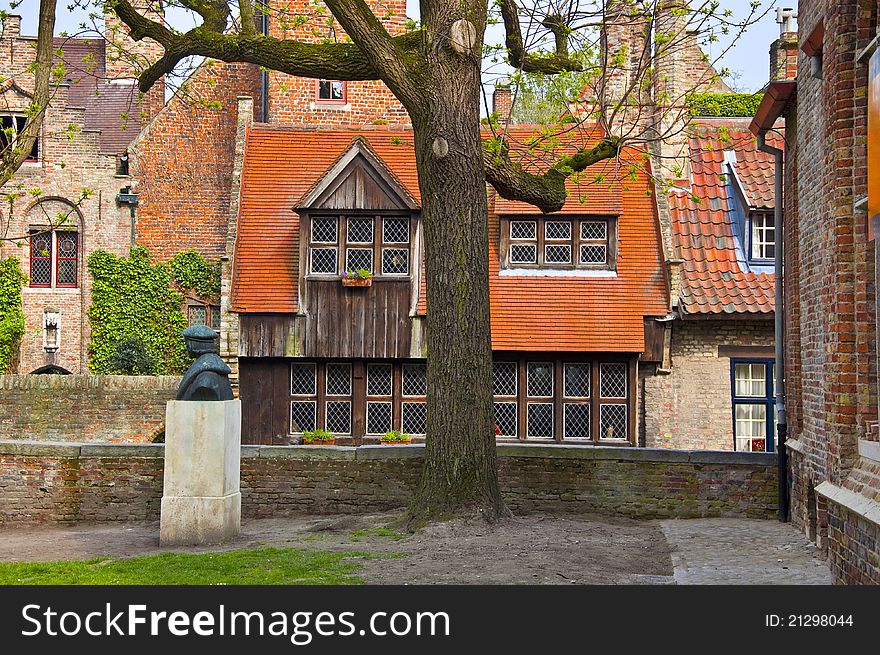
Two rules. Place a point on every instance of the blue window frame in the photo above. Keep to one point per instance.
(752, 395)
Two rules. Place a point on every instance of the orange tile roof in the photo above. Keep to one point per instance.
(713, 280)
(528, 313)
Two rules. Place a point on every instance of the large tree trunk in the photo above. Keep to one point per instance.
(459, 475)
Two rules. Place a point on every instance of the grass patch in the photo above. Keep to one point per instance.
(271, 566)
(357, 535)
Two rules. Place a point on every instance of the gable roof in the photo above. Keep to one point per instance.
(285, 168)
(715, 280)
(359, 180)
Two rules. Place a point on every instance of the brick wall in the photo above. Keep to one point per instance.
(690, 408)
(831, 351)
(72, 482)
(84, 408)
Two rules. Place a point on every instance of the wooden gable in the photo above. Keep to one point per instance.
(359, 181)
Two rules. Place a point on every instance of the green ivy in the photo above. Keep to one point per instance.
(11, 315)
(132, 297)
(729, 105)
(191, 271)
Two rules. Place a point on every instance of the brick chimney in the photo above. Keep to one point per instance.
(784, 51)
(127, 58)
(502, 101)
(11, 27)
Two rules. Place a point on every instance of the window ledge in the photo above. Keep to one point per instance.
(337, 106)
(40, 290)
(544, 272)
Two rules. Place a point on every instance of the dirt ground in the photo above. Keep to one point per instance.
(523, 550)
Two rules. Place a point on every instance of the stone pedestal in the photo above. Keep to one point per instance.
(201, 501)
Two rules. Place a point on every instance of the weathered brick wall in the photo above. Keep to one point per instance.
(84, 408)
(71, 482)
(690, 408)
(854, 544)
(830, 278)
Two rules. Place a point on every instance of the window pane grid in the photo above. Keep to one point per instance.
(413, 418)
(540, 380)
(750, 380)
(557, 231)
(395, 230)
(359, 230)
(378, 417)
(415, 380)
(67, 259)
(41, 260)
(613, 421)
(557, 254)
(303, 380)
(504, 379)
(594, 231)
(379, 380)
(577, 380)
(612, 381)
(302, 415)
(324, 260)
(540, 420)
(339, 416)
(338, 379)
(324, 230)
(523, 253)
(359, 258)
(395, 261)
(505, 419)
(577, 421)
(523, 230)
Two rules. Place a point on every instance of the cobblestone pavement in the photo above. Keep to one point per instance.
(742, 552)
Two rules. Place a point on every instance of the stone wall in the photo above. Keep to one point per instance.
(81, 482)
(84, 408)
(690, 408)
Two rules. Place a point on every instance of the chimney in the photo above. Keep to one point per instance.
(784, 51)
(11, 26)
(126, 58)
(502, 101)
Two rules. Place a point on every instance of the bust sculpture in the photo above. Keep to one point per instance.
(208, 377)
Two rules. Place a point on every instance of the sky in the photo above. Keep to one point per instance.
(748, 60)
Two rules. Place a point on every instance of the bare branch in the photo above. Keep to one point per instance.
(548, 64)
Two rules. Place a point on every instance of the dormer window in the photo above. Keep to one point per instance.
(763, 236)
(555, 243)
(377, 244)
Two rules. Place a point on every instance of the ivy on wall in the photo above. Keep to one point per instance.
(136, 307)
(11, 315)
(191, 271)
(732, 105)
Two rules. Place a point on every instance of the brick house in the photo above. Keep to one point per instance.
(676, 359)
(93, 115)
(715, 390)
(830, 287)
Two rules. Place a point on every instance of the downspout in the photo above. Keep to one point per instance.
(264, 76)
(779, 320)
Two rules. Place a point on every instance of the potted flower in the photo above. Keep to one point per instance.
(318, 438)
(395, 437)
(359, 278)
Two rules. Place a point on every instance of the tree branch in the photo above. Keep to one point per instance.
(547, 191)
(337, 61)
(549, 64)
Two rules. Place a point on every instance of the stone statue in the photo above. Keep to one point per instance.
(208, 377)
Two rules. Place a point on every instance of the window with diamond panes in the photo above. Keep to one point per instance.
(581, 243)
(613, 421)
(304, 401)
(413, 417)
(41, 259)
(415, 380)
(539, 420)
(65, 270)
(359, 258)
(395, 261)
(323, 252)
(414, 389)
(576, 417)
(395, 230)
(359, 230)
(338, 379)
(380, 390)
(504, 389)
(539, 414)
(540, 380)
(612, 381)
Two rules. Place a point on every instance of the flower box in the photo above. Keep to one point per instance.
(356, 281)
(395, 443)
(319, 442)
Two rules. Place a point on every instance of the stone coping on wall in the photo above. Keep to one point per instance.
(154, 382)
(869, 449)
(381, 452)
(856, 503)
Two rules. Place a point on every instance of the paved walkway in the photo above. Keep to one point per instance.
(742, 552)
(531, 549)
